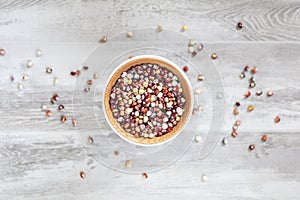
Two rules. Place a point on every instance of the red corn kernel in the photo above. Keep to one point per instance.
(185, 68)
(247, 94)
(55, 97)
(73, 73)
(145, 176)
(277, 119)
(234, 134)
(253, 70)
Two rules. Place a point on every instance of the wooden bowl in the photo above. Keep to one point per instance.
(186, 90)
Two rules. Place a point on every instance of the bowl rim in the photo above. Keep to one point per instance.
(179, 70)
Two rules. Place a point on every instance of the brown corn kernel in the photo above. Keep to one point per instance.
(251, 147)
(234, 134)
(277, 119)
(240, 25)
(103, 39)
(63, 119)
(264, 138)
(235, 111)
(82, 174)
(214, 56)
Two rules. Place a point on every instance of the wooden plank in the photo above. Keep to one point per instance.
(44, 164)
(211, 21)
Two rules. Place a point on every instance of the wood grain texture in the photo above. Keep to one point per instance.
(40, 158)
(210, 20)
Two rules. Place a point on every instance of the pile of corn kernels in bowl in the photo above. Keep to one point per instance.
(147, 100)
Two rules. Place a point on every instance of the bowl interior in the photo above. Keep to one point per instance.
(186, 90)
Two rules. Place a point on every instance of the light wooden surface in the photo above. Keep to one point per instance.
(40, 158)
